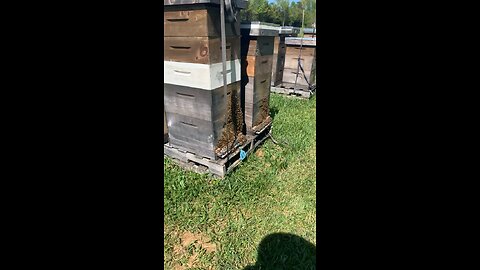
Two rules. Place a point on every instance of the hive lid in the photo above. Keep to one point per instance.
(289, 30)
(310, 42)
(310, 30)
(259, 28)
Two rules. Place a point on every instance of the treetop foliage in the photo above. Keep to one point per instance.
(282, 12)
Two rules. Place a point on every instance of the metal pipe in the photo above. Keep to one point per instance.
(300, 53)
(224, 68)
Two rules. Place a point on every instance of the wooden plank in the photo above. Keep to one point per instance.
(201, 50)
(196, 21)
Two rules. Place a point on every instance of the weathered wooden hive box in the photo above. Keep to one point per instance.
(306, 49)
(201, 119)
(279, 51)
(195, 18)
(257, 60)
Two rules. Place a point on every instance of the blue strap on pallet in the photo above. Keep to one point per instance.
(243, 154)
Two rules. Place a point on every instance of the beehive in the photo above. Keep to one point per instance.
(279, 51)
(306, 48)
(257, 60)
(200, 119)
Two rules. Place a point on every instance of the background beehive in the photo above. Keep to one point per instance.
(195, 20)
(200, 119)
(307, 60)
(279, 52)
(257, 61)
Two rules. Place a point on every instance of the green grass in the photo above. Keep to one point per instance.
(272, 191)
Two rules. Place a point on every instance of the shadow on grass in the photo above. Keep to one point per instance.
(284, 251)
(273, 112)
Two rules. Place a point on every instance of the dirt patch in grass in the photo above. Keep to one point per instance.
(192, 260)
(178, 250)
(200, 240)
(179, 267)
(192, 250)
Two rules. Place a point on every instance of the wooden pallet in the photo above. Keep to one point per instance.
(220, 167)
(289, 90)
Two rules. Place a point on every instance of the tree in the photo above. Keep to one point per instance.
(295, 11)
(283, 8)
(283, 12)
(310, 12)
(257, 10)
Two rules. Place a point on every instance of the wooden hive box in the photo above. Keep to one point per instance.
(199, 50)
(197, 117)
(279, 51)
(257, 60)
(201, 76)
(197, 20)
(307, 60)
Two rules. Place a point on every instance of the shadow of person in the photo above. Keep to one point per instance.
(282, 251)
